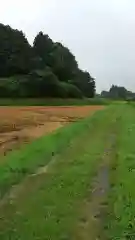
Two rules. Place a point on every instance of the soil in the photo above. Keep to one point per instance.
(23, 124)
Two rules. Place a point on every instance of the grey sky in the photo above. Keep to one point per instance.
(101, 33)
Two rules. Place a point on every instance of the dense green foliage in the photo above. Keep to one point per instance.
(46, 69)
(118, 92)
(53, 101)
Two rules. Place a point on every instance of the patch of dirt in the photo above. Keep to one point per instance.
(23, 124)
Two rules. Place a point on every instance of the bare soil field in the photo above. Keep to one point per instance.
(23, 124)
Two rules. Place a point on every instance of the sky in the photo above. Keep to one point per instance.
(100, 33)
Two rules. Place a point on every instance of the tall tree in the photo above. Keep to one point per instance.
(118, 92)
(15, 52)
(85, 83)
(42, 47)
(63, 62)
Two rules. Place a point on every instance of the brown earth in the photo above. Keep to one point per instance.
(23, 124)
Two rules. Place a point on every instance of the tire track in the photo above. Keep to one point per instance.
(91, 223)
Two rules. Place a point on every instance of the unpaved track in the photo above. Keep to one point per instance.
(91, 224)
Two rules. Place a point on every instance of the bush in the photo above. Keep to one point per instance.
(42, 83)
(14, 87)
(68, 90)
(45, 83)
(39, 83)
(74, 92)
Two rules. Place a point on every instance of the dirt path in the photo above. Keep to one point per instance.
(91, 223)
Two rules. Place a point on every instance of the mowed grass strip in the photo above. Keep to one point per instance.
(120, 220)
(48, 205)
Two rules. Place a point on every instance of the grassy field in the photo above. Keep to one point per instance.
(53, 102)
(19, 163)
(77, 183)
(121, 200)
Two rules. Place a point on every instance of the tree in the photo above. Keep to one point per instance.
(85, 83)
(15, 52)
(62, 62)
(118, 92)
(46, 69)
(104, 94)
(42, 47)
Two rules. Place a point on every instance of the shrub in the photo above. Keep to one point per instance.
(67, 90)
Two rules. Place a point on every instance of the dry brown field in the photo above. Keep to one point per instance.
(23, 124)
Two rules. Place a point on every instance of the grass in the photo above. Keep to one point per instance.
(48, 205)
(52, 102)
(19, 163)
(121, 201)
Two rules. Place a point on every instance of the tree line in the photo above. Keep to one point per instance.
(45, 69)
(118, 92)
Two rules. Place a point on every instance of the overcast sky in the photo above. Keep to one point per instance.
(100, 33)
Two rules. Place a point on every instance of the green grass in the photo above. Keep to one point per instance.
(19, 163)
(48, 206)
(121, 201)
(53, 102)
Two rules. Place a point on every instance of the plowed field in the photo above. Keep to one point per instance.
(23, 124)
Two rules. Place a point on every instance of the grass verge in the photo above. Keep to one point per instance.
(121, 201)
